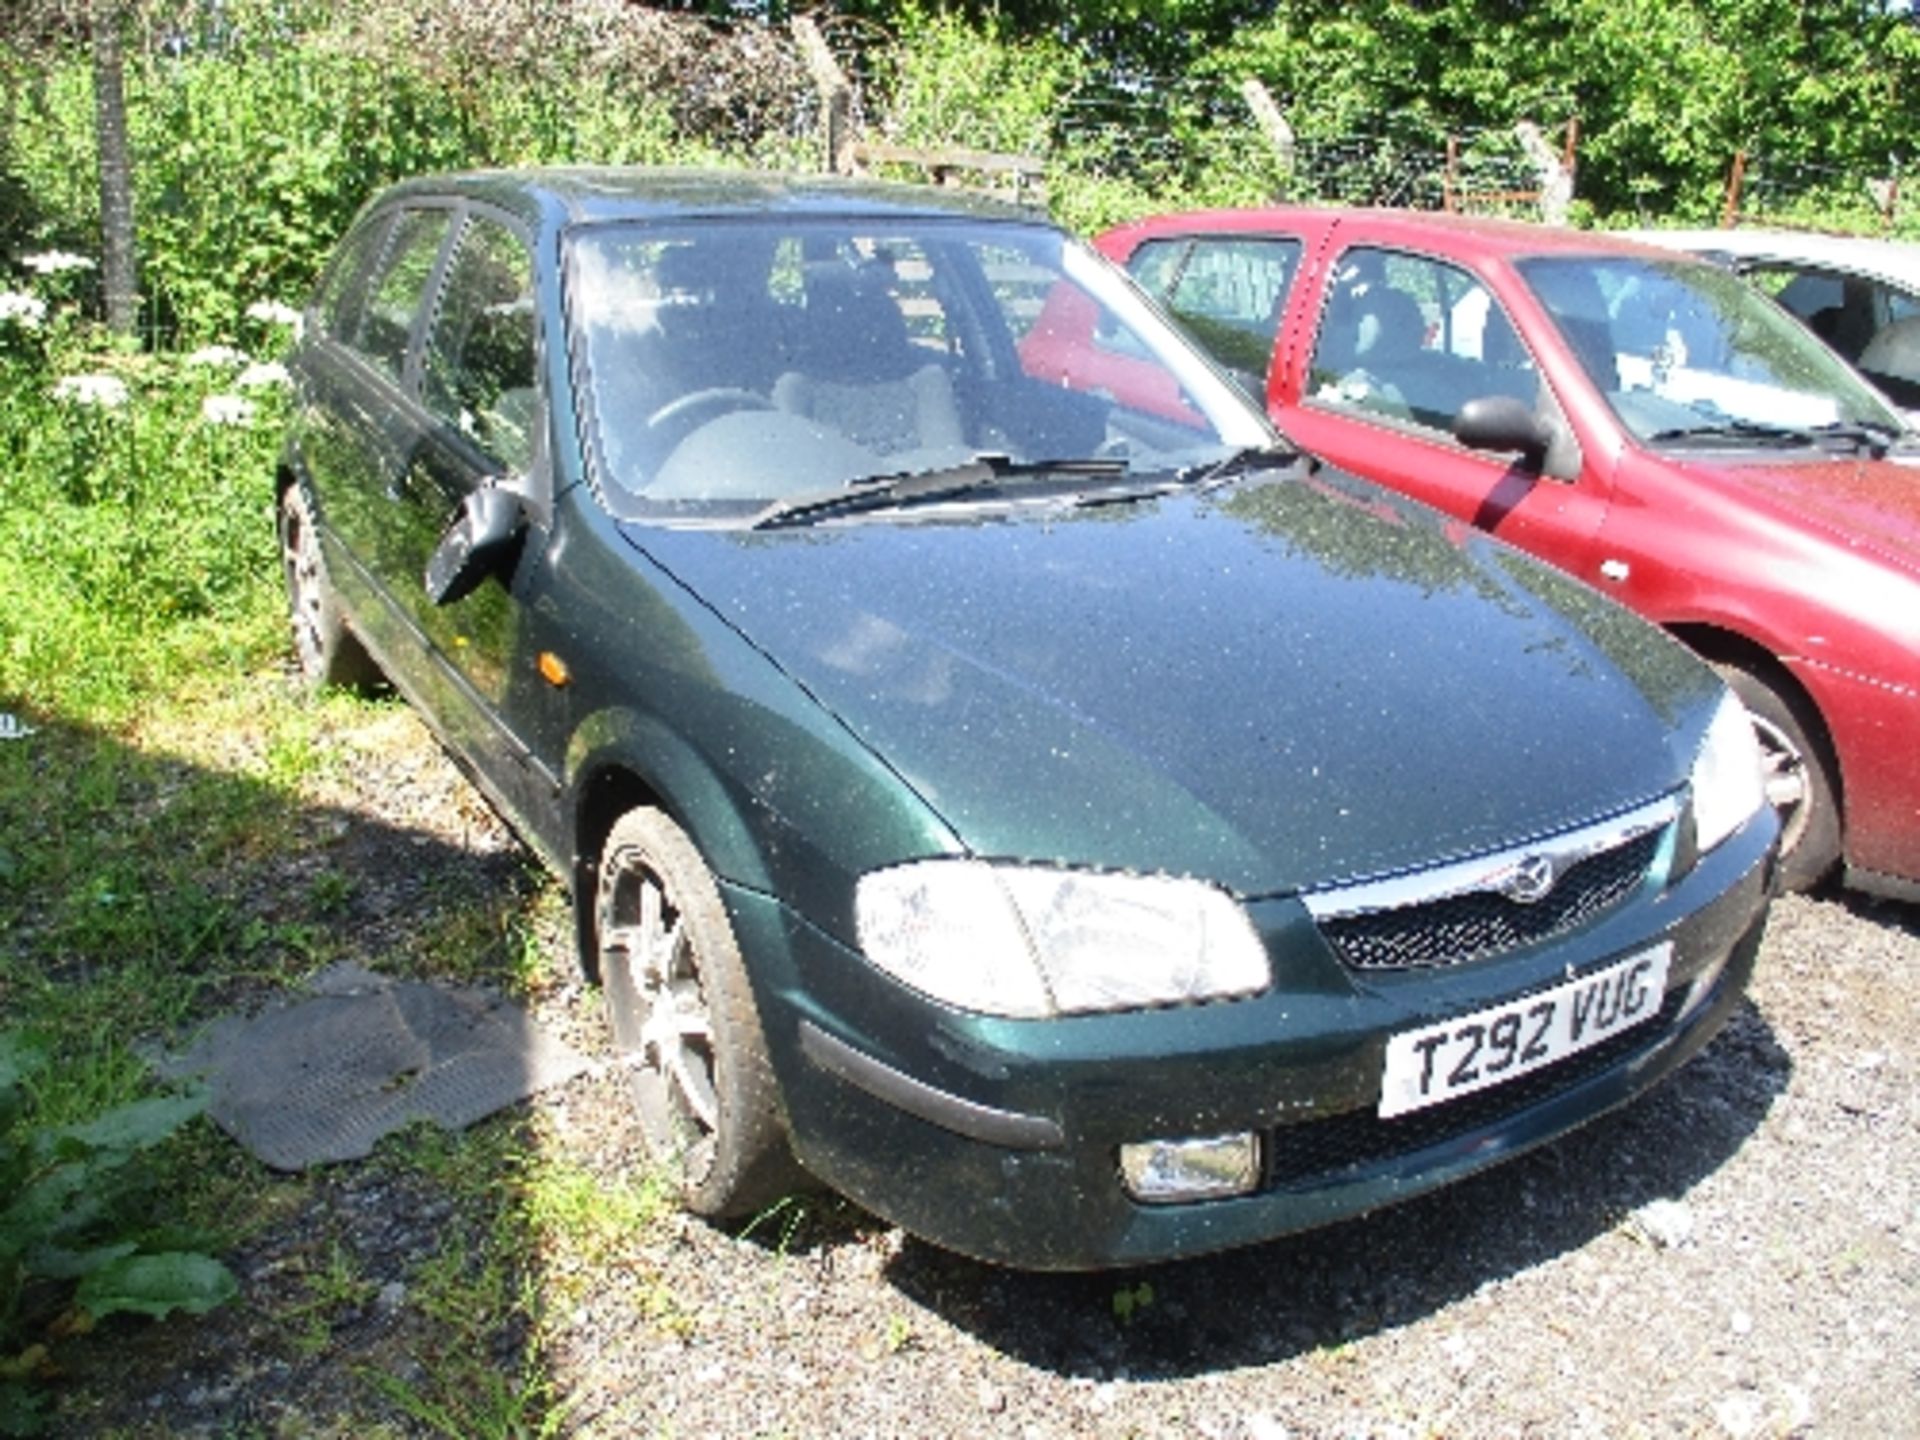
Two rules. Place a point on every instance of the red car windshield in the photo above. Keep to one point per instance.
(1684, 351)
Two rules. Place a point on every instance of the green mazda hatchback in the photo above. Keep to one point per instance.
(996, 777)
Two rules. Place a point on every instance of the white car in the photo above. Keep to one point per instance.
(1860, 295)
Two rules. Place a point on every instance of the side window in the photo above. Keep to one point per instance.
(478, 371)
(1157, 264)
(1228, 293)
(1804, 292)
(1061, 334)
(337, 306)
(1410, 338)
(413, 245)
(1846, 311)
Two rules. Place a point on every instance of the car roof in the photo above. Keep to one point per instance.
(1476, 234)
(1859, 254)
(585, 195)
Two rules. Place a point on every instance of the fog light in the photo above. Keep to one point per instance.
(1173, 1172)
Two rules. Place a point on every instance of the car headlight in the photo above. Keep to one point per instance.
(1728, 786)
(1032, 941)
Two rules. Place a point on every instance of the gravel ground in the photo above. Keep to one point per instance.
(1737, 1254)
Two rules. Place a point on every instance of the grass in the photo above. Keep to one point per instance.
(335, 1284)
(181, 834)
(146, 891)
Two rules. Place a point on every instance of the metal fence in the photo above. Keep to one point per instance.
(1184, 139)
(1176, 140)
(1763, 190)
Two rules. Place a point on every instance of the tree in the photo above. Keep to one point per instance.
(116, 167)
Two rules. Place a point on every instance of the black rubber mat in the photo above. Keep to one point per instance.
(323, 1078)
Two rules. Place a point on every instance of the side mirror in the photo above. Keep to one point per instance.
(1500, 422)
(482, 537)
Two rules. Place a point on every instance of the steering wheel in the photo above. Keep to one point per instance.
(680, 417)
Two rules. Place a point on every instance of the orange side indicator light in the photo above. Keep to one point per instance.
(554, 669)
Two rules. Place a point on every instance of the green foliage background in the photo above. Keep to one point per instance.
(259, 126)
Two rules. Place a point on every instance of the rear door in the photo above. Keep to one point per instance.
(1227, 291)
(1384, 346)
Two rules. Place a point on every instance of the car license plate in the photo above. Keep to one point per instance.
(1471, 1052)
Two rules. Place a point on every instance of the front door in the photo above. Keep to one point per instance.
(484, 423)
(1401, 342)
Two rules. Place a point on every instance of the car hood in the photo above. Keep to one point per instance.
(1872, 504)
(1289, 684)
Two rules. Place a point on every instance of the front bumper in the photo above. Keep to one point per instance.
(1000, 1138)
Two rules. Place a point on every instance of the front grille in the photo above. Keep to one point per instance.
(1466, 927)
(1319, 1151)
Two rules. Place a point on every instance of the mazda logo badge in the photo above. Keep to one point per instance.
(1530, 880)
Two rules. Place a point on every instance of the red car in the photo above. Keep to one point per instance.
(1644, 420)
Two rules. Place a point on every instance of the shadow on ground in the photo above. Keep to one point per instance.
(1901, 915)
(1266, 1304)
(142, 895)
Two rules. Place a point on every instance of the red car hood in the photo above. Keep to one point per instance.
(1874, 504)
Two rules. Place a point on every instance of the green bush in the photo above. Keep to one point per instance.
(135, 507)
(260, 130)
(75, 1211)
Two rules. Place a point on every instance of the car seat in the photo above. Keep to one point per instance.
(859, 372)
(1374, 336)
(1892, 361)
(715, 317)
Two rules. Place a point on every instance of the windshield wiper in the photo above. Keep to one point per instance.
(1735, 430)
(1869, 435)
(1235, 464)
(921, 487)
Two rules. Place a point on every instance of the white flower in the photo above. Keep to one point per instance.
(108, 392)
(226, 410)
(213, 357)
(272, 312)
(26, 311)
(55, 262)
(260, 375)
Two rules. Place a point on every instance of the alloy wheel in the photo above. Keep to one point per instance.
(662, 1022)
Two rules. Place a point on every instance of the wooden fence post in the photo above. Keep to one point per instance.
(1555, 171)
(1272, 123)
(836, 97)
(1886, 196)
(1730, 211)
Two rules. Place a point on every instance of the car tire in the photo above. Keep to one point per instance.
(324, 648)
(1801, 779)
(684, 1022)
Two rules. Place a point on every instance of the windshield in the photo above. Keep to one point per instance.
(1682, 349)
(730, 364)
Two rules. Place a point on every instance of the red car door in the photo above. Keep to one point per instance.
(1380, 348)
